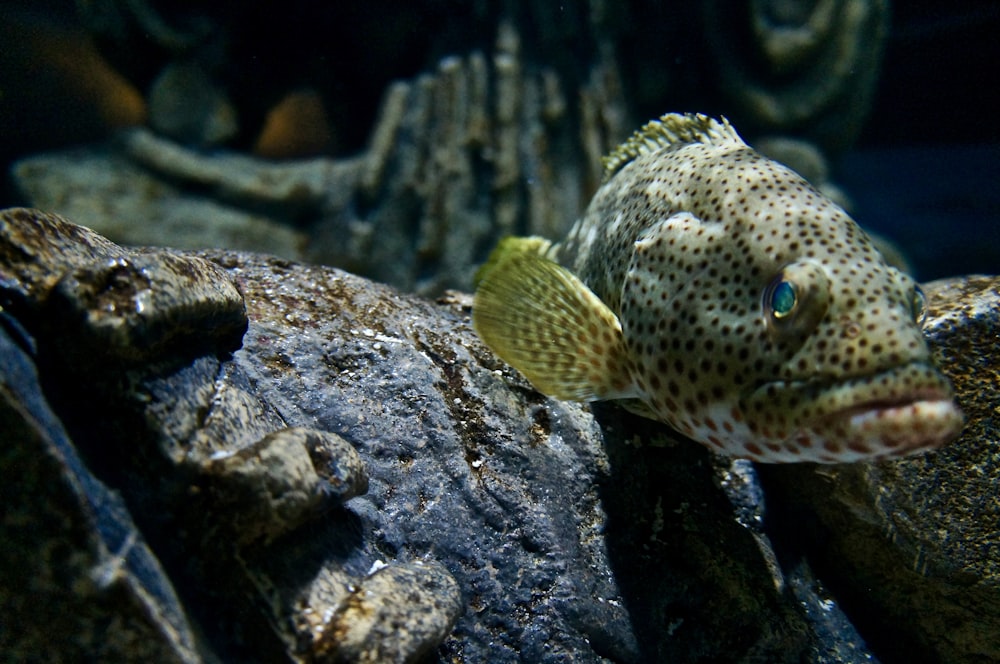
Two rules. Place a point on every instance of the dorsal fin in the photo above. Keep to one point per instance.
(671, 129)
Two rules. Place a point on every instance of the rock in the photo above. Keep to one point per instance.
(274, 485)
(151, 349)
(457, 465)
(397, 614)
(910, 546)
(77, 579)
(123, 307)
(411, 210)
(104, 189)
(448, 135)
(541, 530)
(38, 249)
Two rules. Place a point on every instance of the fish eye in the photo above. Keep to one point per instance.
(783, 299)
(918, 305)
(795, 300)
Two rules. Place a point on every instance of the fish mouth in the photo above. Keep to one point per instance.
(900, 411)
(887, 406)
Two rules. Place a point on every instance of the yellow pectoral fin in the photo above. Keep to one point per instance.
(541, 319)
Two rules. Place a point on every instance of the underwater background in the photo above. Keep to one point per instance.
(911, 139)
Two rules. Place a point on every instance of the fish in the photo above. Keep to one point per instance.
(715, 290)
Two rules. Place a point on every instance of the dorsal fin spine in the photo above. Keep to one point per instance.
(671, 129)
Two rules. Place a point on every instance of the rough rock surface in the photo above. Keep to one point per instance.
(107, 190)
(134, 350)
(912, 547)
(77, 579)
(497, 525)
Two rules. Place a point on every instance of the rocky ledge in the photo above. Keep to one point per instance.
(223, 455)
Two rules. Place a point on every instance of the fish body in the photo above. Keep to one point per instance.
(717, 291)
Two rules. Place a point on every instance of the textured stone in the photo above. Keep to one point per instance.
(117, 306)
(911, 547)
(543, 531)
(472, 150)
(397, 614)
(37, 249)
(106, 190)
(229, 476)
(77, 579)
(492, 483)
(274, 485)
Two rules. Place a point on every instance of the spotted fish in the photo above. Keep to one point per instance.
(717, 291)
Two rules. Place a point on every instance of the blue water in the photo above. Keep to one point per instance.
(940, 204)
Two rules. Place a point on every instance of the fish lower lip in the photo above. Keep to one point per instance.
(887, 405)
(837, 397)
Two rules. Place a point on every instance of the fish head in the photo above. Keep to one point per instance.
(764, 323)
(853, 377)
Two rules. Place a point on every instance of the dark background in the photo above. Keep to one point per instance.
(925, 170)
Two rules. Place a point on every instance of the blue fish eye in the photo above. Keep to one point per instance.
(795, 301)
(783, 299)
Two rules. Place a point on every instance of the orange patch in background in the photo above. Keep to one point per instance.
(85, 75)
(56, 87)
(296, 127)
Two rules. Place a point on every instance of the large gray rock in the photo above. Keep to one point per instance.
(77, 579)
(364, 480)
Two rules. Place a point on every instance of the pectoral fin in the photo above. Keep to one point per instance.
(541, 319)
